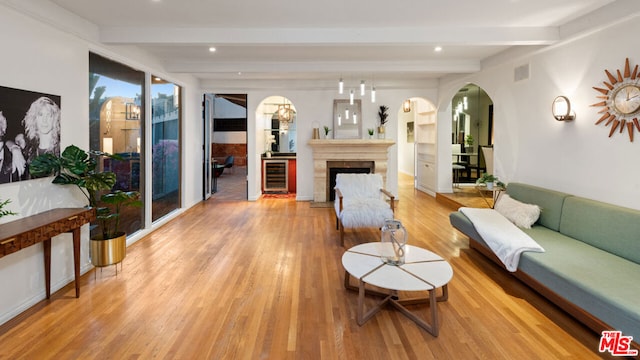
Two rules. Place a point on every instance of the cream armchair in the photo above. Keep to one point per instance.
(360, 202)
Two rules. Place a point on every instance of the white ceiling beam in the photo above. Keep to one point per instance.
(346, 36)
(439, 66)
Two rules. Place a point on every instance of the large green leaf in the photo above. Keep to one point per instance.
(45, 165)
(100, 181)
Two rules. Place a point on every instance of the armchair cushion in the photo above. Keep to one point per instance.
(363, 212)
(363, 204)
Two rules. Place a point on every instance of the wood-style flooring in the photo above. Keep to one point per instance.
(264, 280)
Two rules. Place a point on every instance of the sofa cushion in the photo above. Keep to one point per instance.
(601, 283)
(611, 228)
(550, 202)
(521, 214)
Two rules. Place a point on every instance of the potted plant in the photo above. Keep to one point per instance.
(469, 142)
(370, 131)
(326, 131)
(383, 115)
(489, 180)
(110, 246)
(77, 167)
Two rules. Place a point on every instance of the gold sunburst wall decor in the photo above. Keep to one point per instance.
(620, 101)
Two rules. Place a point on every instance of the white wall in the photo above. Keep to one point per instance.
(316, 107)
(530, 146)
(38, 57)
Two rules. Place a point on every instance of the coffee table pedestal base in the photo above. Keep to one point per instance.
(392, 299)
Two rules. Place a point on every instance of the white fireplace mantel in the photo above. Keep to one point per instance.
(324, 150)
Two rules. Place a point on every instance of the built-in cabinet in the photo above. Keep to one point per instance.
(425, 147)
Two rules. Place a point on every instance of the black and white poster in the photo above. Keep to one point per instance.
(29, 126)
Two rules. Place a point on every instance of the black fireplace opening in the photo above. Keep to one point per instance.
(357, 167)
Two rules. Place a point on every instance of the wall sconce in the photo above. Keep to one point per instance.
(132, 112)
(406, 105)
(561, 109)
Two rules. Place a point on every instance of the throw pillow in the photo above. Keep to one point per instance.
(519, 213)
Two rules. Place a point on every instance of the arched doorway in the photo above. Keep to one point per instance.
(276, 140)
(471, 134)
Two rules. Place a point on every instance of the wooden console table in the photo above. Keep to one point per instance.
(22, 233)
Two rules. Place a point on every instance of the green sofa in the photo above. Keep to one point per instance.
(591, 263)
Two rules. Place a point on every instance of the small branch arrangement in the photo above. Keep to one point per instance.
(382, 113)
(5, 212)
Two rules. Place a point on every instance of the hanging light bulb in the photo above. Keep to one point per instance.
(346, 114)
(464, 102)
(339, 120)
(351, 97)
(373, 94)
(361, 87)
(341, 86)
(355, 118)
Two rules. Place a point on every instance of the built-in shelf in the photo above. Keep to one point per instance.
(426, 146)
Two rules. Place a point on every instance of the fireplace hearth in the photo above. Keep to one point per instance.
(346, 155)
(350, 167)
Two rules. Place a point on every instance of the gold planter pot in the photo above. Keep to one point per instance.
(108, 252)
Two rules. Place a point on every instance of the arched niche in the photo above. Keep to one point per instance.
(276, 124)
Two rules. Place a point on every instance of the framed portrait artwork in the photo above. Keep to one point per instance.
(29, 126)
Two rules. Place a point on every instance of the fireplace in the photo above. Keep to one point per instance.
(351, 167)
(346, 155)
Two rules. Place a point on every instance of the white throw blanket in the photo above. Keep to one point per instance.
(505, 239)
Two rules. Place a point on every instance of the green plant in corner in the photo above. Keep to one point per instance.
(77, 167)
(469, 140)
(4, 212)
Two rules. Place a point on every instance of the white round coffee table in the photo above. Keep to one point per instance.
(422, 271)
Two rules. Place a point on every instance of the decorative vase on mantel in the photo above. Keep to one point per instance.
(381, 133)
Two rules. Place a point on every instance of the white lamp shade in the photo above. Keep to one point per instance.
(107, 145)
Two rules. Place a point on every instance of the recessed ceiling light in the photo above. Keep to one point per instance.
(239, 73)
(212, 49)
(437, 49)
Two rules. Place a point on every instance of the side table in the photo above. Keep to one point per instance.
(495, 193)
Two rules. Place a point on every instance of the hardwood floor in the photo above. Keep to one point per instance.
(264, 280)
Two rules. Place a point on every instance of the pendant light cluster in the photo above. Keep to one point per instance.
(352, 91)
